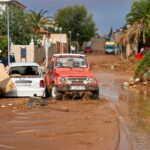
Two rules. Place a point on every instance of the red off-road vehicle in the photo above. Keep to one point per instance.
(69, 75)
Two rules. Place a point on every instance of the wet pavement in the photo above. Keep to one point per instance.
(133, 107)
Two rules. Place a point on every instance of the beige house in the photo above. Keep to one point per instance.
(61, 41)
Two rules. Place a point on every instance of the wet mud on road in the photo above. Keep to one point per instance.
(74, 125)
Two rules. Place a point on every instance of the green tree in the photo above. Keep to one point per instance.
(77, 20)
(110, 33)
(3, 45)
(2, 24)
(139, 19)
(20, 30)
(20, 27)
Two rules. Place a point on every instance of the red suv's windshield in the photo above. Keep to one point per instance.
(71, 62)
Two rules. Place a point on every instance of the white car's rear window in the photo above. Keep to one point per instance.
(24, 70)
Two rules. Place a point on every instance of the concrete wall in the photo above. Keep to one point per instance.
(39, 53)
(33, 53)
(36, 54)
(97, 44)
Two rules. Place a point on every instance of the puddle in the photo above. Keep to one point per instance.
(137, 106)
(139, 113)
(110, 85)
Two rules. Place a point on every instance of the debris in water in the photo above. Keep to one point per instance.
(36, 101)
(125, 84)
(10, 104)
(3, 106)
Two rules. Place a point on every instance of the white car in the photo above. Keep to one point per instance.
(28, 79)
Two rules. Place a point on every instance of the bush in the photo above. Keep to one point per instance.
(143, 65)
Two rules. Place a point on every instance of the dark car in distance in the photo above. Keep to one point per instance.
(87, 50)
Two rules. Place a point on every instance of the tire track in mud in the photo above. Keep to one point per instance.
(124, 141)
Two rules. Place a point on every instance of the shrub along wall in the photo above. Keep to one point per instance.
(143, 67)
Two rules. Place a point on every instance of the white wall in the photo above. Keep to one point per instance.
(59, 38)
(16, 49)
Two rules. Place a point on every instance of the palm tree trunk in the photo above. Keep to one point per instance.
(128, 50)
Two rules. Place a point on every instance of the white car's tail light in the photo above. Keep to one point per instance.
(42, 84)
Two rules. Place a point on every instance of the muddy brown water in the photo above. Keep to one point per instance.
(25, 128)
(133, 107)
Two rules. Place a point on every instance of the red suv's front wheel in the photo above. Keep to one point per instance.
(55, 93)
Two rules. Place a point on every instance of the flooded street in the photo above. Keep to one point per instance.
(75, 75)
(133, 107)
(119, 120)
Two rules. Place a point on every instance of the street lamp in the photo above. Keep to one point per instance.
(120, 46)
(60, 30)
(70, 40)
(55, 42)
(77, 41)
(8, 32)
(47, 44)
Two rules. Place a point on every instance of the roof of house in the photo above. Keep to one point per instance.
(41, 30)
(13, 1)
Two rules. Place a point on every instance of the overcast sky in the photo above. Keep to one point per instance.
(106, 13)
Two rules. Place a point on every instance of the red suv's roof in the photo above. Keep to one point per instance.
(67, 54)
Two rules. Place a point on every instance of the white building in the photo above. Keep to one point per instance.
(3, 4)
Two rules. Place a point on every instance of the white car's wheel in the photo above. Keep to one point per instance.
(55, 94)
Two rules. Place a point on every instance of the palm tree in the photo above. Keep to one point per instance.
(139, 20)
(132, 34)
(39, 20)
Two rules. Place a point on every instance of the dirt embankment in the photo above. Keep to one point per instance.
(117, 65)
(111, 63)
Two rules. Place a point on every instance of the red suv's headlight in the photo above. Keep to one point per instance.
(62, 80)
